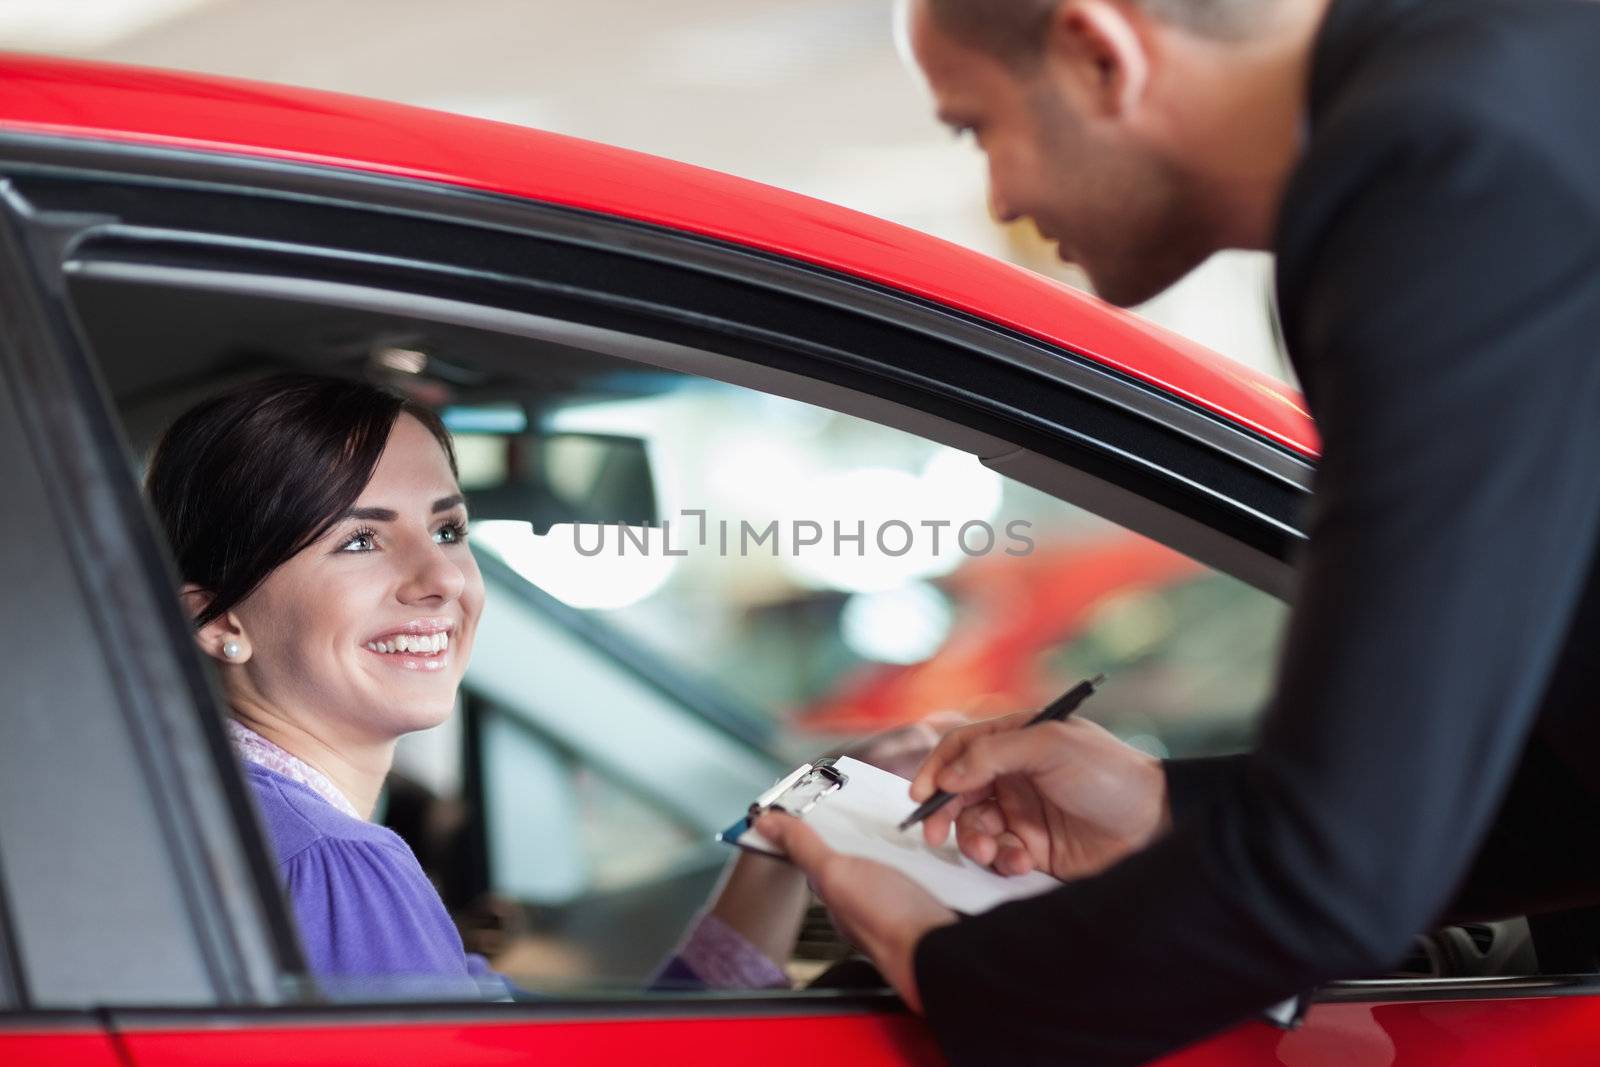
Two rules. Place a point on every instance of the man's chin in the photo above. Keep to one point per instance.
(1128, 289)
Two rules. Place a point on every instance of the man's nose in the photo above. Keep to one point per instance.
(999, 207)
(433, 576)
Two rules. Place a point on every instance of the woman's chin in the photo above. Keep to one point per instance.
(404, 702)
(415, 719)
(410, 716)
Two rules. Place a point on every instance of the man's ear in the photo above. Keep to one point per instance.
(1101, 46)
(222, 638)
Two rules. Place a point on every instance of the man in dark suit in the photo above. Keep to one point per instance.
(1428, 173)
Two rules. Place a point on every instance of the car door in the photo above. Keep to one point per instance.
(99, 220)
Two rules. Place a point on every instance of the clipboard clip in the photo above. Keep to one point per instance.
(801, 789)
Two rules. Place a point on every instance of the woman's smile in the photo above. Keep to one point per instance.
(419, 645)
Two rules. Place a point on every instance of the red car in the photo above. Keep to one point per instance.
(164, 234)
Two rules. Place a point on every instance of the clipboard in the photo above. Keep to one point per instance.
(856, 808)
(965, 887)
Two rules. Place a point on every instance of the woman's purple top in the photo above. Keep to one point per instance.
(363, 905)
(370, 919)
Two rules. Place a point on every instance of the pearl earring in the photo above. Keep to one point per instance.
(230, 648)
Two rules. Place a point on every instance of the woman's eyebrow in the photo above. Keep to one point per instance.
(444, 503)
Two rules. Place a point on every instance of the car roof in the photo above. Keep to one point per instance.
(144, 106)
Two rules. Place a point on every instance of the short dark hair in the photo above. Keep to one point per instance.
(245, 480)
(1014, 30)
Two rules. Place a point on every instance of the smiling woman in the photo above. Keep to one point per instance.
(314, 522)
(320, 532)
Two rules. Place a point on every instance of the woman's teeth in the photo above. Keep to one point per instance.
(416, 644)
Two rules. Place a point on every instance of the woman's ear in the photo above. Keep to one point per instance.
(222, 638)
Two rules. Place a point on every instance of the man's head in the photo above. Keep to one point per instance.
(1103, 120)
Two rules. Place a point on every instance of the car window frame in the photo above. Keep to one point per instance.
(12, 991)
(67, 473)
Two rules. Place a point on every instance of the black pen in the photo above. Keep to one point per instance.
(1065, 705)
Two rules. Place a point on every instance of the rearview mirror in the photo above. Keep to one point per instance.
(569, 478)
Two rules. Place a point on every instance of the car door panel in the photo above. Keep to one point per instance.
(42, 1043)
(345, 1040)
(1551, 1031)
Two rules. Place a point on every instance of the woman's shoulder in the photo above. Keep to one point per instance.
(297, 820)
(361, 900)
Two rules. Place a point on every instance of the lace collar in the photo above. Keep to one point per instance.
(256, 749)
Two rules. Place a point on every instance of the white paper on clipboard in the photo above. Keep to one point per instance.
(860, 818)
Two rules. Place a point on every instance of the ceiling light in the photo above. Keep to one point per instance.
(403, 360)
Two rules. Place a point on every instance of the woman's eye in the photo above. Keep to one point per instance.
(360, 541)
(451, 533)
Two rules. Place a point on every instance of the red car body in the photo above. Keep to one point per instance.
(1499, 1023)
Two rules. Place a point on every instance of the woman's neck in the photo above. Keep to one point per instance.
(357, 769)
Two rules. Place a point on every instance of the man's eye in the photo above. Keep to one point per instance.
(451, 533)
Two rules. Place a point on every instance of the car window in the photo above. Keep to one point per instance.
(693, 585)
(746, 604)
(834, 577)
(831, 579)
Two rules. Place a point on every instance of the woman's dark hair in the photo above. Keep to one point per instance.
(245, 480)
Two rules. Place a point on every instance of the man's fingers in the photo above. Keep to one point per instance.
(982, 818)
(973, 835)
(1023, 809)
(949, 746)
(1011, 856)
(936, 827)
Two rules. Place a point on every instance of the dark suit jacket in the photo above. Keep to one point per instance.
(1432, 749)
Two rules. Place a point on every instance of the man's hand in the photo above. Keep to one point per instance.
(878, 909)
(1066, 798)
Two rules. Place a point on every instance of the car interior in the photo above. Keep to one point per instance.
(568, 813)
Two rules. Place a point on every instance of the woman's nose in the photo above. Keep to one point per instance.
(433, 576)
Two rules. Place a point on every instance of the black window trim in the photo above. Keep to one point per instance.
(22, 153)
(13, 977)
(1103, 439)
(210, 263)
